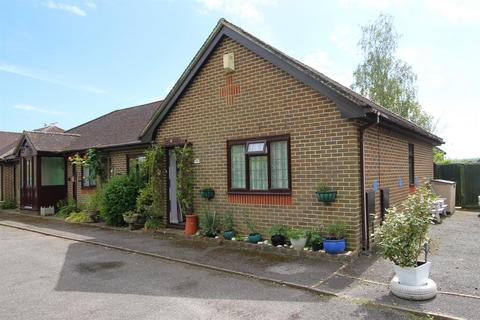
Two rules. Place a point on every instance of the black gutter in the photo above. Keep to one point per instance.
(365, 229)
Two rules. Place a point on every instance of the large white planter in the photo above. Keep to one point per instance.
(410, 276)
(298, 244)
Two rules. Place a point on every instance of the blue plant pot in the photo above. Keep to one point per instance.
(254, 238)
(228, 235)
(334, 246)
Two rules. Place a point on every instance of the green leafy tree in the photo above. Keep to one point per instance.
(384, 78)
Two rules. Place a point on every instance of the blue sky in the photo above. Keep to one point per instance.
(71, 61)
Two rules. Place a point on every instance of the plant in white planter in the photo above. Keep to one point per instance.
(402, 237)
(298, 238)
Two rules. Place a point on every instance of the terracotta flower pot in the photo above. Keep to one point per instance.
(191, 224)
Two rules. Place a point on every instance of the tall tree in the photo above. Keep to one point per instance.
(384, 78)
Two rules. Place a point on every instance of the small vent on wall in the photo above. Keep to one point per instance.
(229, 62)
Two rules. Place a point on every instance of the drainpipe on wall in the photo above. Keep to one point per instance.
(365, 229)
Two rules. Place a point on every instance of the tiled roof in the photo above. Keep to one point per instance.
(51, 141)
(8, 141)
(120, 127)
(50, 128)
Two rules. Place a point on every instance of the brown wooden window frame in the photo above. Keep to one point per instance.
(266, 152)
(133, 156)
(411, 164)
(83, 186)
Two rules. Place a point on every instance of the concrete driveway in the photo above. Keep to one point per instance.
(45, 277)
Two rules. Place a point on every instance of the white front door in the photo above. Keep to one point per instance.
(175, 213)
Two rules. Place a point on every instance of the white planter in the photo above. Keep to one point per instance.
(417, 276)
(298, 244)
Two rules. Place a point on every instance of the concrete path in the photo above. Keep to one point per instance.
(49, 278)
(365, 278)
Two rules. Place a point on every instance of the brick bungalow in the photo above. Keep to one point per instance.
(266, 129)
(34, 167)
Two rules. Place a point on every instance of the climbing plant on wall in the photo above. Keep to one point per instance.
(185, 178)
(154, 168)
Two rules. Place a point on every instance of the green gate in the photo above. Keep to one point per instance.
(467, 177)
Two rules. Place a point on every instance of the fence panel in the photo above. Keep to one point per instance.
(452, 172)
(472, 185)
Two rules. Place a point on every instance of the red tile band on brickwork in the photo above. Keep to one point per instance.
(260, 199)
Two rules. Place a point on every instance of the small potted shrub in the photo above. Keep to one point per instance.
(207, 193)
(316, 241)
(298, 238)
(209, 224)
(133, 219)
(253, 235)
(278, 235)
(335, 237)
(325, 193)
(227, 224)
(402, 237)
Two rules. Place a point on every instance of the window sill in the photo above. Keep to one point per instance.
(261, 198)
(260, 193)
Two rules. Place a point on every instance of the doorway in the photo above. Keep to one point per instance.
(175, 216)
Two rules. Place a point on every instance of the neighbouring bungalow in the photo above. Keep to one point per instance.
(35, 168)
(265, 129)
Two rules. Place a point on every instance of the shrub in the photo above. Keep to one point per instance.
(153, 223)
(315, 238)
(8, 204)
(251, 227)
(277, 230)
(65, 208)
(336, 230)
(323, 187)
(185, 178)
(93, 201)
(118, 196)
(209, 223)
(403, 233)
(79, 217)
(227, 222)
(295, 234)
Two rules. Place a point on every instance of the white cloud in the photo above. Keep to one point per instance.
(377, 4)
(66, 7)
(245, 9)
(344, 37)
(321, 61)
(456, 10)
(90, 4)
(27, 107)
(24, 72)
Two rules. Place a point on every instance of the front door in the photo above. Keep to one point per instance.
(27, 196)
(175, 214)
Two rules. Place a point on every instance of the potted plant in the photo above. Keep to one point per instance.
(278, 235)
(316, 240)
(133, 219)
(298, 238)
(325, 193)
(209, 224)
(402, 237)
(334, 241)
(207, 193)
(185, 183)
(227, 224)
(253, 235)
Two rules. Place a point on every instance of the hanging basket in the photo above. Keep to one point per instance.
(326, 196)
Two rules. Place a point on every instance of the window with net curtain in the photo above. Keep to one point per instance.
(267, 169)
(89, 178)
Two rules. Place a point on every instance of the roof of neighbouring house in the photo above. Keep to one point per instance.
(8, 141)
(50, 128)
(349, 103)
(117, 128)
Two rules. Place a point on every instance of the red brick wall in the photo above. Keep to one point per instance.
(386, 160)
(324, 147)
(11, 181)
(119, 164)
